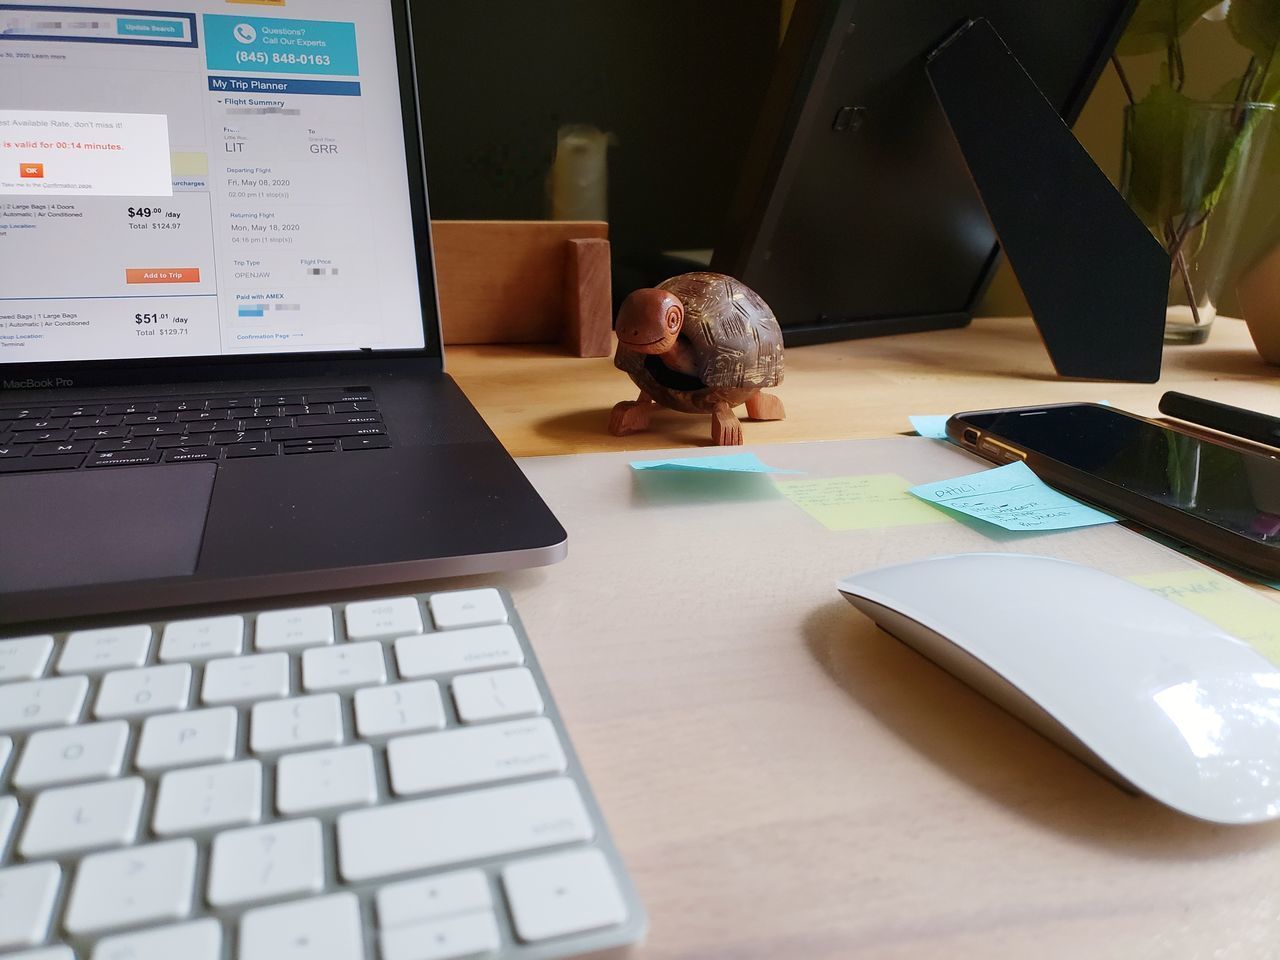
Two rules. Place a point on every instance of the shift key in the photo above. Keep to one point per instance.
(336, 430)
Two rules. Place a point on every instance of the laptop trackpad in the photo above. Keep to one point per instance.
(106, 525)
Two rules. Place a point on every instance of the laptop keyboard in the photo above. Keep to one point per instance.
(187, 430)
(385, 779)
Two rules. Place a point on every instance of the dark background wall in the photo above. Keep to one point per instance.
(678, 82)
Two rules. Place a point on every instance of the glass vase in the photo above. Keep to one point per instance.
(1190, 169)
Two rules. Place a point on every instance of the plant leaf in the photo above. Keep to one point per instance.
(1256, 25)
(1157, 23)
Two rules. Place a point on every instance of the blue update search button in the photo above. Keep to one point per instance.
(131, 27)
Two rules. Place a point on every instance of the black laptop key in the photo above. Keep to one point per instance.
(11, 451)
(186, 440)
(365, 443)
(154, 429)
(354, 407)
(100, 433)
(190, 454)
(48, 423)
(238, 450)
(77, 422)
(266, 423)
(229, 403)
(201, 426)
(128, 408)
(25, 413)
(312, 446)
(65, 461)
(241, 413)
(52, 449)
(123, 458)
(186, 416)
(280, 401)
(117, 446)
(345, 395)
(84, 410)
(40, 436)
(329, 419)
(336, 430)
(135, 419)
(239, 436)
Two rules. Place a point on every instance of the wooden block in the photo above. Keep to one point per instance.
(588, 299)
(502, 281)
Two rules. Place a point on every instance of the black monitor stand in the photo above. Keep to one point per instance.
(1095, 278)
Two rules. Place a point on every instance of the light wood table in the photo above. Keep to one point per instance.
(808, 788)
(539, 401)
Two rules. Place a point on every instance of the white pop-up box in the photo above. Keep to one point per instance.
(61, 153)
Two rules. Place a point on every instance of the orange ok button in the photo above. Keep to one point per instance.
(31, 171)
(163, 275)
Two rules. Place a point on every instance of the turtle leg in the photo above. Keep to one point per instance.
(726, 431)
(631, 416)
(765, 406)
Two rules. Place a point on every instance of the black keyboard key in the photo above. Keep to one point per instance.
(179, 406)
(279, 401)
(241, 413)
(239, 436)
(76, 422)
(128, 408)
(204, 426)
(12, 451)
(345, 395)
(123, 458)
(267, 423)
(329, 419)
(31, 464)
(238, 450)
(186, 416)
(84, 410)
(185, 440)
(24, 413)
(365, 443)
(52, 449)
(227, 404)
(100, 433)
(40, 436)
(48, 423)
(311, 446)
(154, 429)
(354, 407)
(337, 430)
(291, 409)
(190, 454)
(116, 446)
(136, 419)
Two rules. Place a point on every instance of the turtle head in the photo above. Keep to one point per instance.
(650, 321)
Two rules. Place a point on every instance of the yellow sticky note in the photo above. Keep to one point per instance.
(1235, 608)
(860, 503)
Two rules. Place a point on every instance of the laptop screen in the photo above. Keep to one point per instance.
(203, 178)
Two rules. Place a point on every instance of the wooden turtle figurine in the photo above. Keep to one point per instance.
(699, 343)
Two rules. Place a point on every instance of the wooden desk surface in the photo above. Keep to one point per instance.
(792, 793)
(540, 402)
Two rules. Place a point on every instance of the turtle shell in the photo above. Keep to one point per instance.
(736, 342)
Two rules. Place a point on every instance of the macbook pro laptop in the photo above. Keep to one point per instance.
(221, 372)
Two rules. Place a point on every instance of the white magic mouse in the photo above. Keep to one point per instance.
(1143, 690)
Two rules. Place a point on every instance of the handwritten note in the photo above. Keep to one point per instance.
(727, 463)
(1237, 609)
(859, 503)
(1012, 497)
(931, 426)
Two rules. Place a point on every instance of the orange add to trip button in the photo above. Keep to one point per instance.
(162, 275)
(31, 171)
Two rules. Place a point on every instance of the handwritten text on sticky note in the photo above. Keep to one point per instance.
(859, 503)
(1237, 609)
(1012, 497)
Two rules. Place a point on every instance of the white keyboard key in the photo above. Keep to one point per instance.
(111, 648)
(43, 953)
(200, 640)
(344, 667)
(187, 738)
(34, 704)
(94, 751)
(461, 758)
(263, 863)
(136, 693)
(261, 676)
(388, 840)
(467, 608)
(294, 629)
(399, 708)
(452, 938)
(148, 884)
(432, 898)
(27, 895)
(372, 619)
(71, 819)
(325, 780)
(322, 928)
(197, 940)
(221, 795)
(491, 696)
(296, 723)
(479, 648)
(24, 658)
(563, 893)
(8, 817)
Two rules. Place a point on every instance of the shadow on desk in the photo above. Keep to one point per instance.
(975, 742)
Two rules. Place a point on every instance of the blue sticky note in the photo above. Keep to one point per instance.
(931, 426)
(1012, 497)
(727, 463)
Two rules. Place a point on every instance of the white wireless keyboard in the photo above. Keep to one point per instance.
(385, 778)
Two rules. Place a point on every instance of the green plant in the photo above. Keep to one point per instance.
(1177, 174)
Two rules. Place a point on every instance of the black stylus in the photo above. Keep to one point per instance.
(1247, 424)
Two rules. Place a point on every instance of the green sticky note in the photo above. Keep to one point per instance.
(1012, 497)
(859, 503)
(1238, 610)
(726, 463)
(932, 426)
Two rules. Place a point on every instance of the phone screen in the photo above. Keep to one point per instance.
(1233, 489)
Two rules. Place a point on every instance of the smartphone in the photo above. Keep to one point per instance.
(1222, 499)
